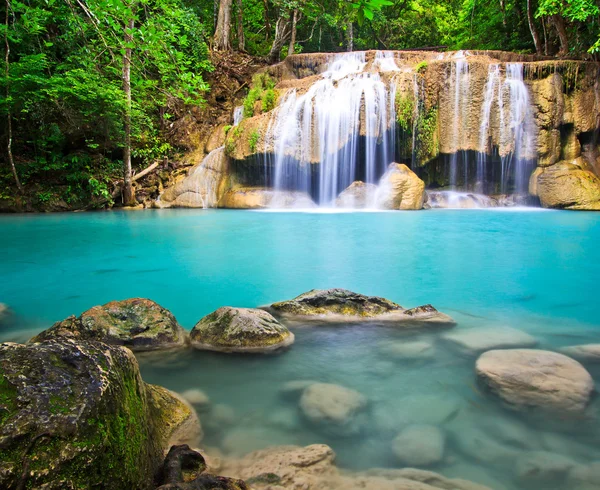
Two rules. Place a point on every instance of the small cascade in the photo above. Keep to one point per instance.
(460, 84)
(385, 61)
(344, 122)
(238, 115)
(491, 85)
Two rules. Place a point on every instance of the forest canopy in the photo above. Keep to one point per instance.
(90, 86)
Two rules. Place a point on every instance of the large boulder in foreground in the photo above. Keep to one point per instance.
(542, 380)
(75, 415)
(260, 198)
(357, 195)
(333, 407)
(137, 323)
(567, 185)
(400, 188)
(341, 305)
(240, 330)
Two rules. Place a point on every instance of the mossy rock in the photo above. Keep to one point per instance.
(240, 330)
(74, 415)
(137, 323)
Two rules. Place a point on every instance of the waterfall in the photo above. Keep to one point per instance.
(207, 176)
(238, 115)
(337, 131)
(460, 82)
(384, 61)
(491, 84)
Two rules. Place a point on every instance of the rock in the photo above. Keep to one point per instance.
(541, 467)
(409, 350)
(137, 323)
(357, 195)
(294, 388)
(183, 470)
(177, 421)
(478, 445)
(222, 415)
(240, 330)
(419, 445)
(197, 398)
(459, 200)
(243, 440)
(426, 409)
(476, 340)
(341, 305)
(77, 414)
(259, 198)
(568, 185)
(400, 188)
(589, 353)
(333, 406)
(4, 313)
(585, 477)
(542, 380)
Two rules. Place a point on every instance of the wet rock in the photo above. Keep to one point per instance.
(333, 407)
(588, 353)
(75, 415)
(220, 416)
(480, 446)
(183, 470)
(357, 195)
(176, 420)
(259, 198)
(341, 305)
(197, 398)
(543, 380)
(568, 185)
(476, 340)
(240, 330)
(585, 477)
(425, 409)
(137, 323)
(420, 349)
(419, 445)
(400, 188)
(541, 467)
(243, 440)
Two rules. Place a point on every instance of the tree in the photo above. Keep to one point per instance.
(534, 32)
(223, 30)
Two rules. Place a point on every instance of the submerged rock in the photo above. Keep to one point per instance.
(419, 349)
(197, 398)
(294, 388)
(542, 380)
(333, 407)
(240, 330)
(137, 323)
(357, 195)
(342, 305)
(584, 353)
(259, 198)
(476, 340)
(419, 445)
(585, 477)
(4, 313)
(76, 415)
(544, 468)
(400, 188)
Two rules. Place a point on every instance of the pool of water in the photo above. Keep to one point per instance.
(531, 270)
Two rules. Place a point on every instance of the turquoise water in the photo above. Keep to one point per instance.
(536, 271)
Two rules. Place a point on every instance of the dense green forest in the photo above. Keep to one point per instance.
(90, 88)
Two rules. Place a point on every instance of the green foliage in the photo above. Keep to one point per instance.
(405, 108)
(263, 89)
(227, 128)
(269, 99)
(421, 67)
(253, 140)
(427, 140)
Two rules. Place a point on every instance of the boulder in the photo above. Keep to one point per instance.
(568, 185)
(76, 414)
(333, 407)
(585, 477)
(4, 313)
(220, 416)
(240, 330)
(400, 188)
(357, 195)
(137, 323)
(419, 445)
(482, 447)
(542, 467)
(477, 340)
(588, 353)
(260, 198)
(419, 349)
(543, 380)
(417, 409)
(197, 398)
(341, 305)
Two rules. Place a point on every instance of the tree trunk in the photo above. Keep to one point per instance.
(559, 24)
(292, 46)
(9, 134)
(240, 26)
(534, 32)
(128, 194)
(349, 37)
(222, 32)
(282, 31)
(545, 36)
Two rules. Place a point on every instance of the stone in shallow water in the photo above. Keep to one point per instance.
(197, 398)
(137, 323)
(585, 353)
(585, 477)
(433, 409)
(476, 340)
(220, 416)
(4, 313)
(333, 407)
(480, 446)
(400, 188)
(542, 467)
(419, 445)
(420, 349)
(356, 195)
(294, 388)
(240, 330)
(525, 378)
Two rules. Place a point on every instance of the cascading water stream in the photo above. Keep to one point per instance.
(492, 83)
(460, 83)
(207, 177)
(339, 130)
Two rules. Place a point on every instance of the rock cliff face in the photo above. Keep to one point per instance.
(483, 121)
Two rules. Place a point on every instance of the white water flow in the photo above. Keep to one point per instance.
(460, 83)
(206, 177)
(337, 131)
(238, 115)
(491, 85)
